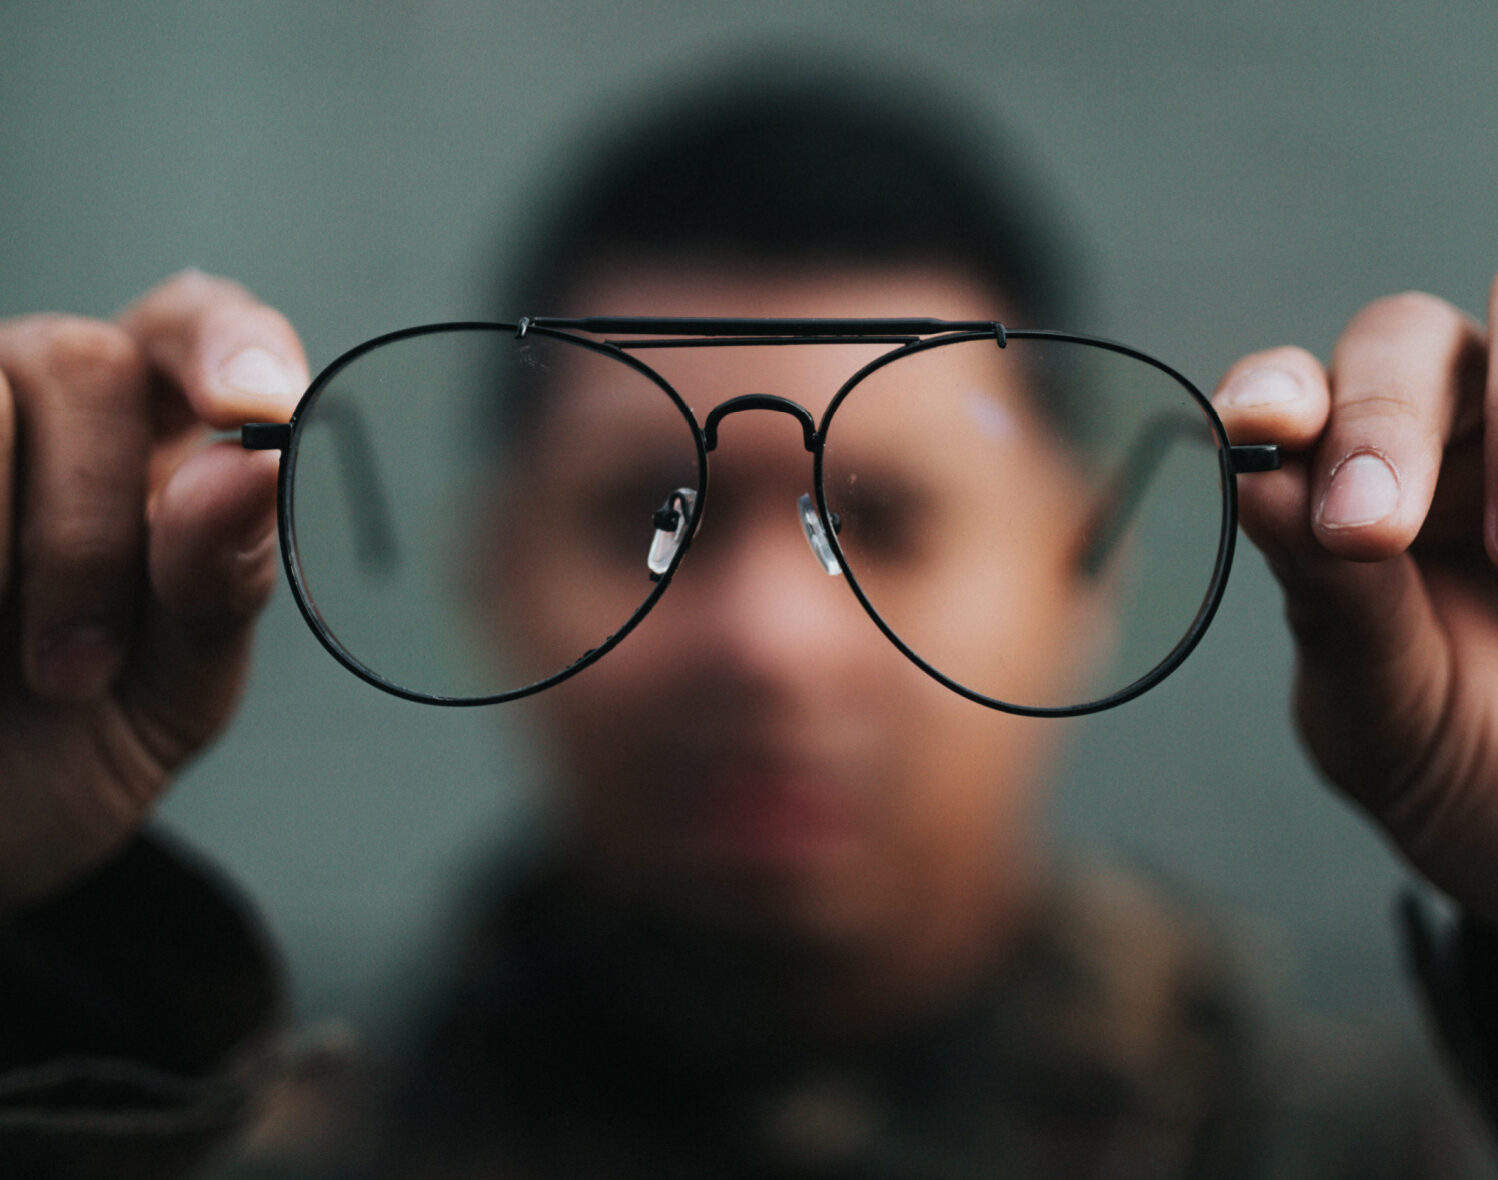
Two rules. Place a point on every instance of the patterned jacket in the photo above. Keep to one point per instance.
(1123, 1036)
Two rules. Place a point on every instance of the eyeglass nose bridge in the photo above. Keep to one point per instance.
(760, 401)
(806, 510)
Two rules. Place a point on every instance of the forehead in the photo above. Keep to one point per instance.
(709, 286)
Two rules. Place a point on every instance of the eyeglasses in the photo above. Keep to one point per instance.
(472, 512)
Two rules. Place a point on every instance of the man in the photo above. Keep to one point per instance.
(796, 920)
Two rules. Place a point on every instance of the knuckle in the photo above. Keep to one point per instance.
(84, 355)
(1387, 417)
(1381, 403)
(83, 519)
(92, 550)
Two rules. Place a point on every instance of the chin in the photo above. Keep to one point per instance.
(810, 908)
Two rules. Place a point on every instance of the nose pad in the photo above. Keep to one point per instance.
(670, 521)
(816, 535)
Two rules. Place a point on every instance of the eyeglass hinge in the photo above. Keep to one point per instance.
(265, 436)
(1255, 457)
(522, 327)
(1000, 336)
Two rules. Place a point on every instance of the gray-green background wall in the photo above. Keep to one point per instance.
(1242, 174)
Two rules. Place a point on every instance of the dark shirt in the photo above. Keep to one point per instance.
(1124, 1035)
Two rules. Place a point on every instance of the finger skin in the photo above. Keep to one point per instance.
(1490, 442)
(80, 393)
(234, 359)
(104, 413)
(117, 512)
(1279, 395)
(1407, 382)
(213, 558)
(7, 481)
(1363, 630)
(1392, 613)
(213, 564)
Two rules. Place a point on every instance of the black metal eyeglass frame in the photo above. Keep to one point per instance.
(676, 521)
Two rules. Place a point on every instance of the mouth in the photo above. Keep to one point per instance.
(770, 814)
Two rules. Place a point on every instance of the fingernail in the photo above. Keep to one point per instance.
(76, 662)
(257, 375)
(1364, 490)
(1259, 387)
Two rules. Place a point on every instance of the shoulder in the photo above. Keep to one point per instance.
(1191, 1014)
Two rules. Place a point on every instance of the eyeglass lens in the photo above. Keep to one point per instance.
(472, 514)
(1039, 524)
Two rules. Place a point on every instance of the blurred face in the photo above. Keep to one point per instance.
(756, 756)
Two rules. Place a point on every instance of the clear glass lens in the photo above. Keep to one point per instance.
(473, 513)
(1040, 524)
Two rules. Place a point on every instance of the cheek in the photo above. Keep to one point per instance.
(962, 820)
(1001, 613)
(546, 599)
(967, 770)
(1036, 633)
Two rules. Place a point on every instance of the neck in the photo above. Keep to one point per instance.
(921, 967)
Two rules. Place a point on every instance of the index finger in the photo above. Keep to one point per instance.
(1406, 380)
(1490, 436)
(233, 358)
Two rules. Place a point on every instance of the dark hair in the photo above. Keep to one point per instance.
(774, 167)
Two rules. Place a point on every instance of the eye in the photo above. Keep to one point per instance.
(613, 512)
(884, 518)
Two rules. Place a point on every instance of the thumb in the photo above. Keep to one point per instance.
(1397, 715)
(1372, 655)
(212, 563)
(1378, 697)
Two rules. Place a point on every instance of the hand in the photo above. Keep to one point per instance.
(134, 556)
(1382, 527)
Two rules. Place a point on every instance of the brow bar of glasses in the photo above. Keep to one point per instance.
(700, 332)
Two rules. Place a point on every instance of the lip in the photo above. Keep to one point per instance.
(770, 815)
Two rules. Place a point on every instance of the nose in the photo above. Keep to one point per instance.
(757, 600)
(747, 588)
(671, 518)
